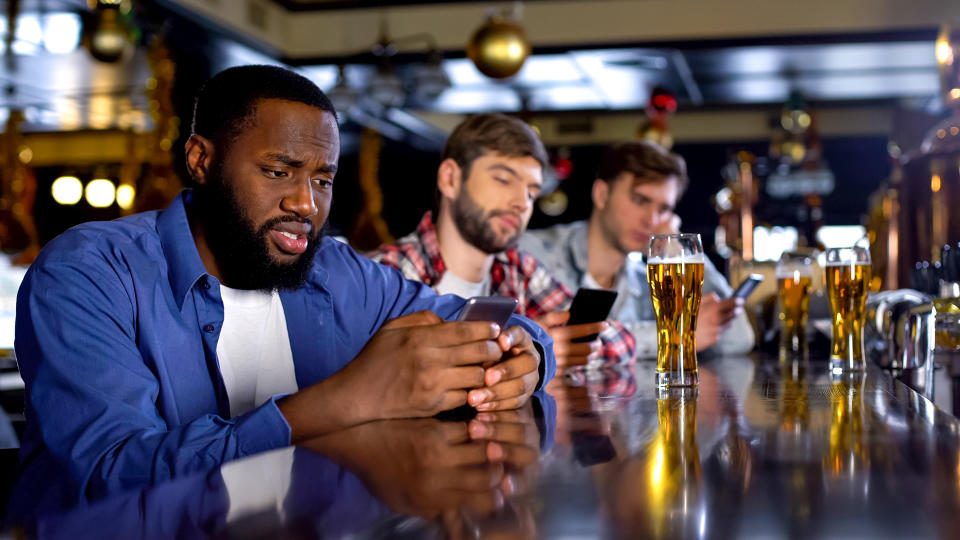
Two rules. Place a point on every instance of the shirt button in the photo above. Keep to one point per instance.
(208, 328)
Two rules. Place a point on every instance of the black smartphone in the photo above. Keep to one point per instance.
(748, 285)
(590, 306)
(497, 309)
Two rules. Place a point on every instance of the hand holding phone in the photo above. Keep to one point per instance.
(748, 286)
(590, 306)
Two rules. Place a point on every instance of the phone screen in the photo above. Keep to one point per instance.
(497, 309)
(747, 287)
(590, 306)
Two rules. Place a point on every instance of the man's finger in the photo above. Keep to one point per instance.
(477, 352)
(505, 432)
(504, 390)
(451, 334)
(578, 330)
(420, 318)
(462, 377)
(515, 336)
(452, 399)
(554, 318)
(512, 368)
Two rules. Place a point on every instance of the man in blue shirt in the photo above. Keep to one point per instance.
(226, 325)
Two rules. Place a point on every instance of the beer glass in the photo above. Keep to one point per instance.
(794, 281)
(848, 280)
(675, 276)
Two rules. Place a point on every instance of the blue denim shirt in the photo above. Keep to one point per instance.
(563, 248)
(116, 338)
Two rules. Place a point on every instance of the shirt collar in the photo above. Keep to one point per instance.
(184, 265)
(578, 246)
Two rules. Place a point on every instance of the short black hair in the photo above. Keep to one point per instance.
(493, 132)
(228, 100)
(646, 160)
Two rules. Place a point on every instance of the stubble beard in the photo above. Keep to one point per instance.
(474, 225)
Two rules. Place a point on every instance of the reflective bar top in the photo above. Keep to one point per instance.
(760, 449)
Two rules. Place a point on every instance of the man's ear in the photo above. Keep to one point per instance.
(199, 152)
(449, 179)
(600, 192)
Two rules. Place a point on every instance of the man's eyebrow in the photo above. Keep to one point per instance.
(297, 163)
(285, 159)
(502, 167)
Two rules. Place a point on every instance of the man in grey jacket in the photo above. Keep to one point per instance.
(634, 196)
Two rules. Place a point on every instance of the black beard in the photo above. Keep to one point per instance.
(240, 248)
(475, 227)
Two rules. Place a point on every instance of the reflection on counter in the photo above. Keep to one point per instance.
(761, 448)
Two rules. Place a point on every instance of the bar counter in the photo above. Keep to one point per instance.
(761, 449)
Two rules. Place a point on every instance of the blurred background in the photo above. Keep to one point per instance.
(803, 124)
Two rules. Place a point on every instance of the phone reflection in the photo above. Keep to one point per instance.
(659, 491)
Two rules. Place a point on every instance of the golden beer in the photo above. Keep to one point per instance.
(676, 288)
(847, 287)
(793, 293)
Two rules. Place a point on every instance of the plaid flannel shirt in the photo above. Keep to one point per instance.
(513, 274)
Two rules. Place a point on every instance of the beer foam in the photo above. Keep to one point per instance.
(846, 263)
(689, 259)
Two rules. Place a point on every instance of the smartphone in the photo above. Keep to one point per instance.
(748, 285)
(497, 309)
(590, 306)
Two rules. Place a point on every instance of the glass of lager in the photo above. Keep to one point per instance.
(675, 276)
(794, 281)
(848, 280)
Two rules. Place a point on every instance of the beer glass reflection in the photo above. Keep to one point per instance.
(847, 279)
(675, 275)
(794, 282)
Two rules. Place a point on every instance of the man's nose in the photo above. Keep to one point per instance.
(299, 199)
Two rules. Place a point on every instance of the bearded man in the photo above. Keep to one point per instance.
(489, 177)
(171, 342)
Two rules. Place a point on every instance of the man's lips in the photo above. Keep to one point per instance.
(291, 237)
(510, 221)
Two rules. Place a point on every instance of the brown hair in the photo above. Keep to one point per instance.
(494, 132)
(645, 160)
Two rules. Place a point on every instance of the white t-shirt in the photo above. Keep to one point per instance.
(254, 349)
(451, 284)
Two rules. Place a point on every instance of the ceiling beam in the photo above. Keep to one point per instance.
(302, 34)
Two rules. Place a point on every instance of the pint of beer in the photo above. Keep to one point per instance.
(794, 281)
(675, 275)
(848, 281)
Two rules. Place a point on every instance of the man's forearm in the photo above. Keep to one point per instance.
(322, 408)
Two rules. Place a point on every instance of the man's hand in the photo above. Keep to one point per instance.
(509, 383)
(429, 467)
(416, 366)
(570, 354)
(714, 318)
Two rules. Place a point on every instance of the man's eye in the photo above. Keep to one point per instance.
(322, 183)
(501, 180)
(273, 173)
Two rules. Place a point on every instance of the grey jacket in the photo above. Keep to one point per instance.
(563, 248)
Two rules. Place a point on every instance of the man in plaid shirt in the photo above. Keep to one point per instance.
(489, 177)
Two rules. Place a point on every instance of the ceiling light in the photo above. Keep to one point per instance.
(67, 190)
(100, 193)
(125, 195)
(61, 32)
(342, 95)
(430, 79)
